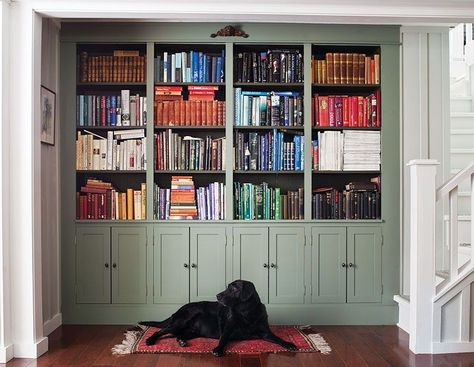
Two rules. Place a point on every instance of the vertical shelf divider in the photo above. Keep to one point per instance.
(229, 130)
(307, 52)
(150, 113)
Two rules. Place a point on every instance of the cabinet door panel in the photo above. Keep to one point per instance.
(208, 255)
(170, 254)
(250, 255)
(287, 256)
(129, 265)
(328, 253)
(93, 265)
(364, 252)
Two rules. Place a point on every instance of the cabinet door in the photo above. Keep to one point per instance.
(171, 265)
(129, 265)
(250, 258)
(364, 258)
(286, 264)
(328, 275)
(93, 265)
(208, 254)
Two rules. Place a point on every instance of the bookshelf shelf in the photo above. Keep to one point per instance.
(110, 84)
(197, 172)
(108, 128)
(316, 172)
(297, 128)
(242, 172)
(189, 83)
(188, 127)
(266, 85)
(344, 86)
(118, 172)
(340, 128)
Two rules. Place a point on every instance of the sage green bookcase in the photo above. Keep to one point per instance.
(306, 271)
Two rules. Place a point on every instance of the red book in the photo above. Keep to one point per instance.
(338, 110)
(168, 88)
(332, 110)
(360, 111)
(103, 111)
(364, 116)
(203, 87)
(346, 117)
(316, 121)
(323, 111)
(378, 98)
(354, 111)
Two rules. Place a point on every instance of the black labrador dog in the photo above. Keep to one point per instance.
(238, 314)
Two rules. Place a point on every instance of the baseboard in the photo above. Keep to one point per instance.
(33, 350)
(403, 313)
(453, 347)
(52, 324)
(6, 353)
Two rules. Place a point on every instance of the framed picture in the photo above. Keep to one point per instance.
(48, 113)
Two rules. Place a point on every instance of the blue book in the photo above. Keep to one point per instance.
(201, 67)
(113, 113)
(89, 111)
(255, 93)
(195, 66)
(237, 106)
(219, 74)
(222, 58)
(81, 110)
(107, 109)
(297, 142)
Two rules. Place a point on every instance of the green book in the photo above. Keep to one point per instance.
(259, 202)
(277, 203)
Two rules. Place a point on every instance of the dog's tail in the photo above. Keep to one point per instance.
(160, 324)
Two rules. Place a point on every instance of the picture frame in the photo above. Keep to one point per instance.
(48, 115)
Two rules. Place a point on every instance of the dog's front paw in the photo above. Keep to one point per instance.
(150, 341)
(218, 352)
(290, 346)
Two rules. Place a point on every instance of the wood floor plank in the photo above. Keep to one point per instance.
(352, 346)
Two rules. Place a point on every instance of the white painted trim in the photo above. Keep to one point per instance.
(403, 313)
(453, 347)
(33, 350)
(423, 162)
(6, 353)
(52, 324)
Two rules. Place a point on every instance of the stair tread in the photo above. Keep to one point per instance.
(462, 114)
(462, 131)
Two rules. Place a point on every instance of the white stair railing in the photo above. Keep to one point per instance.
(422, 245)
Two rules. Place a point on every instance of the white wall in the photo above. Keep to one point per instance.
(50, 186)
(425, 118)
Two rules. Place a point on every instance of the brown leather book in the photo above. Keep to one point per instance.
(193, 113)
(355, 68)
(361, 68)
(330, 67)
(214, 113)
(337, 68)
(188, 112)
(208, 113)
(343, 68)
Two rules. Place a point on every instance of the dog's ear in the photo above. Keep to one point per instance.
(248, 291)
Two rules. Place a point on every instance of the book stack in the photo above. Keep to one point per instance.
(361, 150)
(124, 66)
(161, 201)
(344, 110)
(346, 68)
(210, 201)
(253, 202)
(100, 200)
(182, 198)
(189, 67)
(274, 66)
(328, 151)
(272, 151)
(202, 92)
(120, 150)
(328, 203)
(176, 152)
(259, 108)
(111, 110)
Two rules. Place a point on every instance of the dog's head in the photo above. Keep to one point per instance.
(239, 291)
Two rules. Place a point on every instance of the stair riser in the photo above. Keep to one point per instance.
(462, 141)
(461, 160)
(461, 105)
(462, 122)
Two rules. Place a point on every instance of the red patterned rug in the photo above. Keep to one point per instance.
(134, 342)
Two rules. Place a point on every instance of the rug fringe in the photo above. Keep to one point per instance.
(320, 343)
(131, 337)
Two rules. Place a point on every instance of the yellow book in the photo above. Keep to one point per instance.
(143, 206)
(129, 204)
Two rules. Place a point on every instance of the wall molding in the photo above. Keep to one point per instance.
(52, 324)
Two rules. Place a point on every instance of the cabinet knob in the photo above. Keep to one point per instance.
(351, 265)
(265, 265)
(186, 265)
(193, 265)
(106, 265)
(114, 265)
(272, 265)
(343, 265)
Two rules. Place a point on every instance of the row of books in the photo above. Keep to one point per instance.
(182, 198)
(210, 202)
(121, 150)
(274, 66)
(111, 110)
(254, 202)
(272, 151)
(190, 113)
(347, 111)
(189, 67)
(176, 152)
(346, 151)
(329, 203)
(121, 67)
(346, 68)
(259, 108)
(100, 200)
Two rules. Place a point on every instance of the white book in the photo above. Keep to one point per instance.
(116, 198)
(139, 154)
(114, 155)
(173, 68)
(95, 154)
(133, 111)
(103, 154)
(110, 140)
(79, 151)
(144, 153)
(165, 67)
(137, 202)
(125, 106)
(144, 115)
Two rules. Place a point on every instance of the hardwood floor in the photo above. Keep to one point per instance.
(352, 346)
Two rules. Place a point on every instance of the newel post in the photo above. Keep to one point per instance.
(422, 253)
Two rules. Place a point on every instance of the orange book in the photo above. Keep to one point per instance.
(330, 67)
(214, 113)
(337, 68)
(199, 112)
(361, 68)
(188, 113)
(208, 113)
(129, 204)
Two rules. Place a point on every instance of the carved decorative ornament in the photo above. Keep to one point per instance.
(229, 31)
